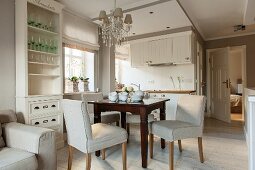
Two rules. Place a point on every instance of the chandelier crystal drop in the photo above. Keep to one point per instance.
(113, 29)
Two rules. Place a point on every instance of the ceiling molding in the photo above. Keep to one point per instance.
(139, 7)
(192, 19)
(230, 36)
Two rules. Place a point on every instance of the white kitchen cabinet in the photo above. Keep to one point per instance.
(160, 51)
(171, 106)
(183, 49)
(139, 54)
(39, 74)
(177, 49)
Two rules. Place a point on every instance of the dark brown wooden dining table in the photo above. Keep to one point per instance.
(139, 108)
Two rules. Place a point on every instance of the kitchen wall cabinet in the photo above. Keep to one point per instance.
(171, 106)
(183, 49)
(174, 48)
(39, 64)
(140, 52)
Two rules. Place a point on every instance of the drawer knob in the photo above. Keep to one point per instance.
(45, 106)
(53, 105)
(163, 95)
(37, 107)
(45, 121)
(53, 120)
(37, 123)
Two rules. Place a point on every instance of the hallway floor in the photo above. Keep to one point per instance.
(224, 149)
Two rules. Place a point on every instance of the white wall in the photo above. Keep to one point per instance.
(157, 78)
(7, 55)
(235, 69)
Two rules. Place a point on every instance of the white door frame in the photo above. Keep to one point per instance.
(208, 77)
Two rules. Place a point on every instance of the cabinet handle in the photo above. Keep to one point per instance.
(45, 106)
(53, 120)
(37, 107)
(37, 123)
(163, 95)
(53, 105)
(150, 61)
(45, 121)
(187, 58)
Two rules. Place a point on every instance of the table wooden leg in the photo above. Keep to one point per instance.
(163, 117)
(144, 136)
(97, 119)
(123, 120)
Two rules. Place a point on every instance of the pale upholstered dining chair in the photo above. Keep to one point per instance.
(89, 138)
(135, 119)
(188, 124)
(106, 117)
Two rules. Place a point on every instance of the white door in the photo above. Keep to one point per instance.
(220, 85)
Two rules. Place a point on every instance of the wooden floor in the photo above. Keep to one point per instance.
(224, 149)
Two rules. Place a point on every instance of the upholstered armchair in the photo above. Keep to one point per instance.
(25, 147)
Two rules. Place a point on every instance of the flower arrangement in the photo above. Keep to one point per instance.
(73, 79)
(128, 89)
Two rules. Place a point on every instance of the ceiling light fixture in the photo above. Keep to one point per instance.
(113, 29)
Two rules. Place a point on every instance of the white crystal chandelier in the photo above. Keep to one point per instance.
(113, 29)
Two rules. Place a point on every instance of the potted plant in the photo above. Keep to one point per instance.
(75, 81)
(85, 83)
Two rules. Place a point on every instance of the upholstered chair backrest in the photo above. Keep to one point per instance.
(91, 97)
(78, 126)
(190, 108)
(7, 116)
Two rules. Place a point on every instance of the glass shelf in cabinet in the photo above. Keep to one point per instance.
(40, 30)
(46, 64)
(44, 75)
(41, 52)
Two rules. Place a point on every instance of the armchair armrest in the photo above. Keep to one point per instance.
(40, 141)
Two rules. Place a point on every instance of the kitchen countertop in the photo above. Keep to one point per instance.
(171, 91)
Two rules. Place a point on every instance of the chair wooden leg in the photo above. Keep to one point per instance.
(70, 157)
(103, 154)
(180, 145)
(128, 131)
(88, 161)
(171, 155)
(124, 155)
(200, 148)
(151, 141)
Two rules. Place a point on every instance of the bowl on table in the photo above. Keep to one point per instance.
(123, 96)
(113, 96)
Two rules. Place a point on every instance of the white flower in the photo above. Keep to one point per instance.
(130, 89)
(123, 88)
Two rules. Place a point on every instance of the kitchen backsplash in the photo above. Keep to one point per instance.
(156, 78)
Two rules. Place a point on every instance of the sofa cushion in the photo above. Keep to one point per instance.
(13, 159)
(2, 144)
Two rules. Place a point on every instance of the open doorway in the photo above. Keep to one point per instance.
(226, 79)
(236, 80)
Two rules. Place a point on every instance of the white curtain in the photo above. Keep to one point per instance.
(77, 29)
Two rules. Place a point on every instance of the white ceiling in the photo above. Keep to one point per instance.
(166, 14)
(212, 18)
(216, 18)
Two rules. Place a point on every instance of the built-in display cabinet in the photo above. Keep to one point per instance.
(178, 48)
(39, 63)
